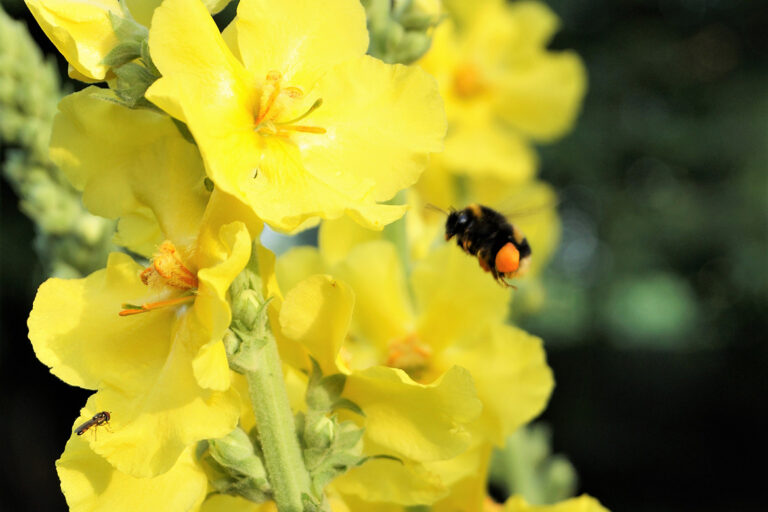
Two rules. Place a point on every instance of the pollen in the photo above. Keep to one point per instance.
(167, 272)
(275, 100)
(409, 354)
(508, 258)
(167, 269)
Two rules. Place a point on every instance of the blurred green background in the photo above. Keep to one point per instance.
(655, 315)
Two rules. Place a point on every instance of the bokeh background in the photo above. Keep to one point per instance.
(655, 314)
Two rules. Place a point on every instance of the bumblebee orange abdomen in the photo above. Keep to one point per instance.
(507, 259)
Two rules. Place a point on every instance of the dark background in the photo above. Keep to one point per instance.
(655, 321)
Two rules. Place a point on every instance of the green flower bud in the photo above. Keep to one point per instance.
(234, 466)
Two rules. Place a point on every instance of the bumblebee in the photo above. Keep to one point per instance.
(100, 418)
(500, 247)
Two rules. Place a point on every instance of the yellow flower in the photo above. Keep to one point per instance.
(90, 483)
(148, 339)
(290, 115)
(141, 170)
(502, 87)
(81, 30)
(387, 344)
(142, 10)
(583, 503)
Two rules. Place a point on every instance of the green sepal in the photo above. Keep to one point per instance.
(133, 80)
(234, 466)
(326, 461)
(311, 504)
(147, 58)
(122, 54)
(184, 131)
(127, 30)
(324, 392)
(345, 403)
(249, 330)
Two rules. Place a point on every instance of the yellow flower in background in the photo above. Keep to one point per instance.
(81, 30)
(583, 503)
(387, 343)
(502, 88)
(90, 483)
(148, 338)
(290, 115)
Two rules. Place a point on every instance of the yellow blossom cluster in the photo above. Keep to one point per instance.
(283, 119)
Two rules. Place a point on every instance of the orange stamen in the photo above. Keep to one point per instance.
(166, 272)
(408, 354)
(131, 309)
(305, 129)
(273, 79)
(168, 265)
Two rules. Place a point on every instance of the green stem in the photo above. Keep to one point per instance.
(277, 432)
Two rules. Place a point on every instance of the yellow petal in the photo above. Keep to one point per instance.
(388, 482)
(512, 377)
(298, 38)
(139, 232)
(152, 426)
(381, 120)
(75, 328)
(416, 421)
(469, 480)
(163, 93)
(222, 253)
(90, 483)
(337, 237)
(80, 30)
(436, 187)
(210, 86)
(302, 194)
(543, 97)
(455, 296)
(382, 306)
(536, 23)
(142, 10)
(583, 503)
(226, 503)
(141, 162)
(298, 264)
(316, 313)
(472, 464)
(505, 154)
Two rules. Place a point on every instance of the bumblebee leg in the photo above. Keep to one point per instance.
(482, 259)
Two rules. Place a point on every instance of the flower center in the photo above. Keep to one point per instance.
(409, 355)
(274, 101)
(166, 272)
(468, 80)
